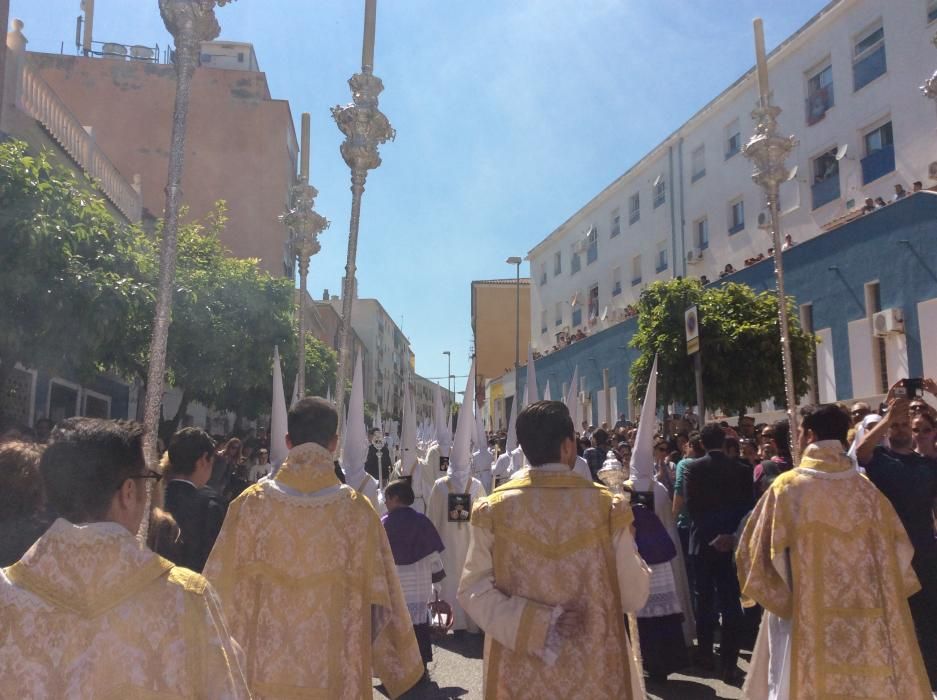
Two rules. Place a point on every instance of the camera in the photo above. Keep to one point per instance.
(910, 388)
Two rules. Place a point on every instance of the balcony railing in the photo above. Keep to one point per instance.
(40, 102)
(818, 103)
(825, 191)
(869, 68)
(877, 164)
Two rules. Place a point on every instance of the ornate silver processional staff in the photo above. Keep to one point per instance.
(768, 150)
(365, 128)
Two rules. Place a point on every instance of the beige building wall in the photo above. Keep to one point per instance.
(494, 325)
(240, 145)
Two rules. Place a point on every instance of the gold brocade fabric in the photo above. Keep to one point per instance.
(87, 614)
(308, 583)
(852, 634)
(553, 544)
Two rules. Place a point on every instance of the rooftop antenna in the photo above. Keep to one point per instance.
(87, 7)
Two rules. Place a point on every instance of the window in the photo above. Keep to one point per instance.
(661, 257)
(592, 249)
(698, 163)
(819, 94)
(634, 207)
(931, 10)
(660, 191)
(616, 281)
(543, 321)
(543, 274)
(635, 270)
(557, 263)
(825, 186)
(868, 57)
(577, 316)
(736, 216)
(574, 264)
(558, 316)
(733, 139)
(616, 224)
(593, 302)
(702, 233)
(879, 153)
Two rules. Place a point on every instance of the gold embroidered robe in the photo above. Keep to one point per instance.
(844, 590)
(545, 539)
(307, 579)
(87, 614)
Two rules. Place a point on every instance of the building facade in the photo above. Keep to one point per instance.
(241, 145)
(867, 289)
(847, 83)
(495, 331)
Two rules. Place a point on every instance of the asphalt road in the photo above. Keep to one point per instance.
(456, 672)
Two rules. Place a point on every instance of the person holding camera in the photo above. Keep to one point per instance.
(909, 480)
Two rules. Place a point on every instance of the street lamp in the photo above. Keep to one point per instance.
(448, 355)
(190, 22)
(768, 150)
(365, 128)
(514, 260)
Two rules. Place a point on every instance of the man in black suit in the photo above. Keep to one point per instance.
(378, 453)
(197, 511)
(718, 492)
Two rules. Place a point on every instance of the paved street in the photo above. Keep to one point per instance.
(457, 673)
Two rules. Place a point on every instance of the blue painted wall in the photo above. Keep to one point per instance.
(896, 246)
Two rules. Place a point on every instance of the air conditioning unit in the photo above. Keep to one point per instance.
(693, 256)
(764, 219)
(887, 322)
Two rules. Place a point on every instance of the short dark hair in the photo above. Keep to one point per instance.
(312, 420)
(600, 436)
(782, 436)
(541, 429)
(87, 460)
(712, 436)
(827, 421)
(186, 448)
(401, 490)
(20, 482)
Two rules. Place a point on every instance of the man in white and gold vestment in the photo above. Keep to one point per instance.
(87, 613)
(307, 578)
(826, 556)
(552, 568)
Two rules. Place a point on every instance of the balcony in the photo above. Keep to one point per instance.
(574, 265)
(616, 290)
(634, 216)
(869, 68)
(818, 103)
(635, 281)
(36, 99)
(577, 317)
(825, 191)
(592, 254)
(877, 164)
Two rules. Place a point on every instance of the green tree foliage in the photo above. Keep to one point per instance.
(78, 291)
(739, 342)
(321, 367)
(70, 277)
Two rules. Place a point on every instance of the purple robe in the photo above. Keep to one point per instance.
(412, 535)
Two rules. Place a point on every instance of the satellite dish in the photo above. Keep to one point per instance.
(574, 300)
(841, 151)
(792, 174)
(604, 314)
(658, 180)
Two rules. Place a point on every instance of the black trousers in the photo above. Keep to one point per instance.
(923, 606)
(425, 641)
(717, 591)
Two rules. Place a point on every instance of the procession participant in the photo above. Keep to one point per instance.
(86, 611)
(513, 458)
(450, 506)
(416, 548)
(827, 557)
(187, 465)
(482, 457)
(378, 462)
(551, 570)
(307, 578)
(355, 446)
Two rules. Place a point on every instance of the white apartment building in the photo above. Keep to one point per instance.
(848, 84)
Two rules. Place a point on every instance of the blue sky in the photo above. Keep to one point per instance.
(510, 115)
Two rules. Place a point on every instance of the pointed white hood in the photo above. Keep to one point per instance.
(547, 396)
(642, 453)
(408, 453)
(460, 457)
(531, 393)
(481, 456)
(278, 428)
(355, 436)
(443, 432)
(572, 399)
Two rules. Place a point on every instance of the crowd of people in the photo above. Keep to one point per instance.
(284, 581)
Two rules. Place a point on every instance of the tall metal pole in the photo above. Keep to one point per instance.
(768, 150)
(517, 319)
(305, 225)
(190, 22)
(365, 128)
